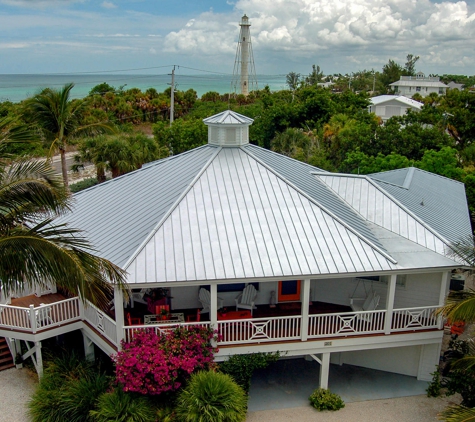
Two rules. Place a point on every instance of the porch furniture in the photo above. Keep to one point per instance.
(369, 304)
(194, 318)
(139, 297)
(162, 309)
(173, 318)
(229, 315)
(205, 299)
(133, 320)
(152, 303)
(246, 298)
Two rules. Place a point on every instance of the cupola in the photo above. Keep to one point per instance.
(228, 129)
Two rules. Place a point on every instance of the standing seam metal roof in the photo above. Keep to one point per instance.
(420, 191)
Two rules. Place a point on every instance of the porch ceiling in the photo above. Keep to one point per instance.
(240, 220)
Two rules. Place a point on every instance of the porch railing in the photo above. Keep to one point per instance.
(34, 319)
(258, 330)
(415, 319)
(346, 324)
(159, 328)
(101, 322)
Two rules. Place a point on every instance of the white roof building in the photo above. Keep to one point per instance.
(387, 106)
(230, 213)
(419, 84)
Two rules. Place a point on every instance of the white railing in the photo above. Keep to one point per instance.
(415, 319)
(346, 324)
(159, 328)
(258, 330)
(34, 319)
(101, 322)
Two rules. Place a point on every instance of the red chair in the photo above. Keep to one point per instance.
(162, 310)
(133, 320)
(194, 318)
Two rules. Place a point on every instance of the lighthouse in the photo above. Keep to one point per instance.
(244, 73)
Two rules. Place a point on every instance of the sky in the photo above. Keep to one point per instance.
(341, 36)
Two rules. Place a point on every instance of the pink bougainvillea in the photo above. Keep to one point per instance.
(154, 363)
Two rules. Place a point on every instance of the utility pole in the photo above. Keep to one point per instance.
(172, 96)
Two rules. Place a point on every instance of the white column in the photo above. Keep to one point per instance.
(39, 359)
(305, 297)
(324, 370)
(444, 285)
(444, 288)
(88, 347)
(213, 309)
(390, 303)
(33, 318)
(119, 314)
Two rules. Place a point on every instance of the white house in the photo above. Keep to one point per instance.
(419, 84)
(357, 265)
(387, 106)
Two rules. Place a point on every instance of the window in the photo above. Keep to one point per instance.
(418, 88)
(441, 91)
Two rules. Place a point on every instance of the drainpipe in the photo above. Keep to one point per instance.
(119, 314)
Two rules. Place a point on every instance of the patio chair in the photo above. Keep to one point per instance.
(246, 298)
(194, 317)
(205, 299)
(369, 304)
(139, 297)
(133, 320)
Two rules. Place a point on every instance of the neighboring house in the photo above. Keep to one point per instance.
(325, 84)
(453, 85)
(419, 84)
(387, 106)
(230, 213)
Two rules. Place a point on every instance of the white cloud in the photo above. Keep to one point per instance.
(152, 50)
(108, 5)
(305, 28)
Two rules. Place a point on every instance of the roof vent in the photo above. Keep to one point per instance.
(228, 129)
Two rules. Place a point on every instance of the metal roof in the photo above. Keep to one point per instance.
(228, 117)
(300, 175)
(119, 214)
(245, 212)
(239, 220)
(440, 202)
(377, 206)
(431, 84)
(380, 99)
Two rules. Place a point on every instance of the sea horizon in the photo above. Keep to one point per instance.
(18, 87)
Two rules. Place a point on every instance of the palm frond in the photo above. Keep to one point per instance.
(56, 254)
(460, 306)
(458, 414)
(30, 188)
(464, 250)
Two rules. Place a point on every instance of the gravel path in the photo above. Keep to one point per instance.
(405, 409)
(16, 387)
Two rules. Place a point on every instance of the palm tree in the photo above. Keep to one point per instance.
(61, 119)
(460, 306)
(33, 250)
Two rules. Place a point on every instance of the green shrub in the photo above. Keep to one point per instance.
(83, 184)
(67, 391)
(211, 397)
(433, 389)
(241, 367)
(118, 406)
(323, 399)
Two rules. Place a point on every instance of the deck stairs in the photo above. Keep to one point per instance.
(6, 358)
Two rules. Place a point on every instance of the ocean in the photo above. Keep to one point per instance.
(16, 88)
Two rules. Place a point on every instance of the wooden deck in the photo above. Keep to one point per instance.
(26, 301)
